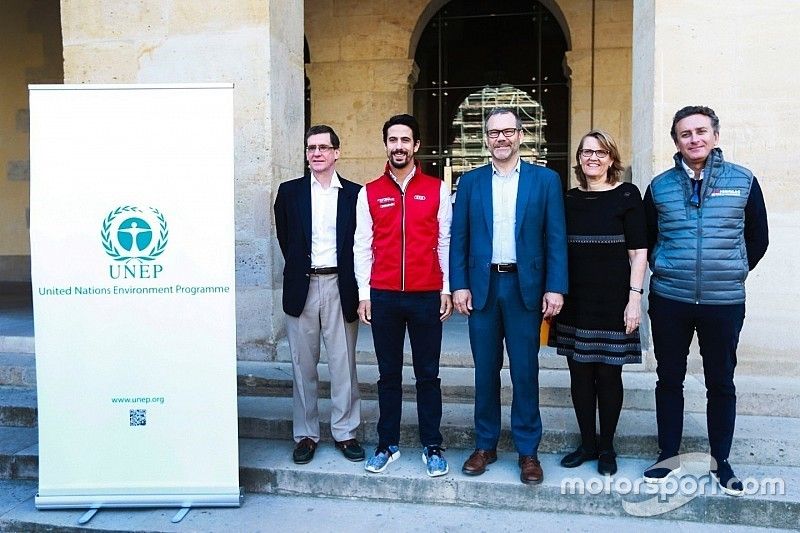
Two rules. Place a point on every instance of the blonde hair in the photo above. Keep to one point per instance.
(607, 142)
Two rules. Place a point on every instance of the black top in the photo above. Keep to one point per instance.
(601, 227)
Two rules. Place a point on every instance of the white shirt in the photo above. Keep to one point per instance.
(323, 221)
(691, 173)
(362, 249)
(504, 215)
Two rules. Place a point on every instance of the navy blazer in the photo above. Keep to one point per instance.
(540, 235)
(293, 226)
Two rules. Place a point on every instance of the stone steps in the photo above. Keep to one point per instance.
(758, 439)
(17, 369)
(766, 446)
(272, 512)
(268, 468)
(456, 352)
(17, 344)
(19, 453)
(773, 498)
(756, 395)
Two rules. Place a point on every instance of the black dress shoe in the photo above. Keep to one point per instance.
(607, 463)
(304, 451)
(351, 449)
(577, 458)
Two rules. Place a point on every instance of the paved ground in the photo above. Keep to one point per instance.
(300, 514)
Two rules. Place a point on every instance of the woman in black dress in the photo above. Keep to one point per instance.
(598, 328)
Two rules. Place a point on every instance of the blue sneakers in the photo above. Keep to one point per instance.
(378, 462)
(434, 461)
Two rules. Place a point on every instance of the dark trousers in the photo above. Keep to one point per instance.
(718, 327)
(596, 388)
(505, 317)
(392, 313)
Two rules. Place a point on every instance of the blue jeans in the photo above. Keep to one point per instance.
(505, 317)
(392, 313)
(718, 326)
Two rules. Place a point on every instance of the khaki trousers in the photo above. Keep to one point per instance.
(322, 320)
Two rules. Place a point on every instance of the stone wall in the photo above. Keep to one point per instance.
(257, 45)
(31, 40)
(740, 60)
(362, 69)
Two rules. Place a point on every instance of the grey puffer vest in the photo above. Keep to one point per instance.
(700, 255)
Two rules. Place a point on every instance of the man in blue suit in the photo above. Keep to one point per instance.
(508, 270)
(315, 218)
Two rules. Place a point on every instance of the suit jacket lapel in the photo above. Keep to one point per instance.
(341, 217)
(304, 207)
(485, 190)
(526, 176)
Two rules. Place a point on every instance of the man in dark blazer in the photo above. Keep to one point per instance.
(508, 270)
(315, 218)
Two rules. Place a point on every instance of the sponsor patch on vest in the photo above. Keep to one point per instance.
(726, 192)
(386, 201)
(419, 197)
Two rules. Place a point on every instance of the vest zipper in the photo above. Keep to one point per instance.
(403, 233)
(699, 247)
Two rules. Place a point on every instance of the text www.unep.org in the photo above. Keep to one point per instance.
(139, 400)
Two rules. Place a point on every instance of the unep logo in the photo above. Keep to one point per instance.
(132, 233)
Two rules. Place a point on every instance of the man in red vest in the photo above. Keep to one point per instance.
(401, 253)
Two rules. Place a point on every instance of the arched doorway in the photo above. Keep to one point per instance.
(474, 55)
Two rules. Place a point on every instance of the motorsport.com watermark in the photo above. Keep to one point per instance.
(77, 290)
(692, 479)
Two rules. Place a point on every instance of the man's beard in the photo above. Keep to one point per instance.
(398, 166)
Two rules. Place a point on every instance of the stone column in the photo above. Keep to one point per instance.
(740, 59)
(257, 45)
(600, 71)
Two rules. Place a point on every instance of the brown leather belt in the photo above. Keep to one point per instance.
(321, 271)
(503, 267)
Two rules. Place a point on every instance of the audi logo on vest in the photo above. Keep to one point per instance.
(419, 197)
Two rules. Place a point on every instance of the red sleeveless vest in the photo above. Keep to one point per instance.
(405, 233)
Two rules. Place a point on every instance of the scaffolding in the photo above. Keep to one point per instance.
(468, 149)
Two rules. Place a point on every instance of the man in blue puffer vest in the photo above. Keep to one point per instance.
(707, 228)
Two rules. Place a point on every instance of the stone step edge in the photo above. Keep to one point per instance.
(408, 482)
(764, 439)
(753, 397)
(283, 511)
(265, 467)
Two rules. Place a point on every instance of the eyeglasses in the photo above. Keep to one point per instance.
(508, 132)
(600, 154)
(323, 148)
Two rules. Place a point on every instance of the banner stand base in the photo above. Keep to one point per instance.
(180, 514)
(232, 498)
(88, 515)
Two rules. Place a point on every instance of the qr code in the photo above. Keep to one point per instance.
(138, 417)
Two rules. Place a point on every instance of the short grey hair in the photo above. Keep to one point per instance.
(502, 111)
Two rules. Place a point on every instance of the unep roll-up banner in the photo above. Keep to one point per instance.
(132, 262)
